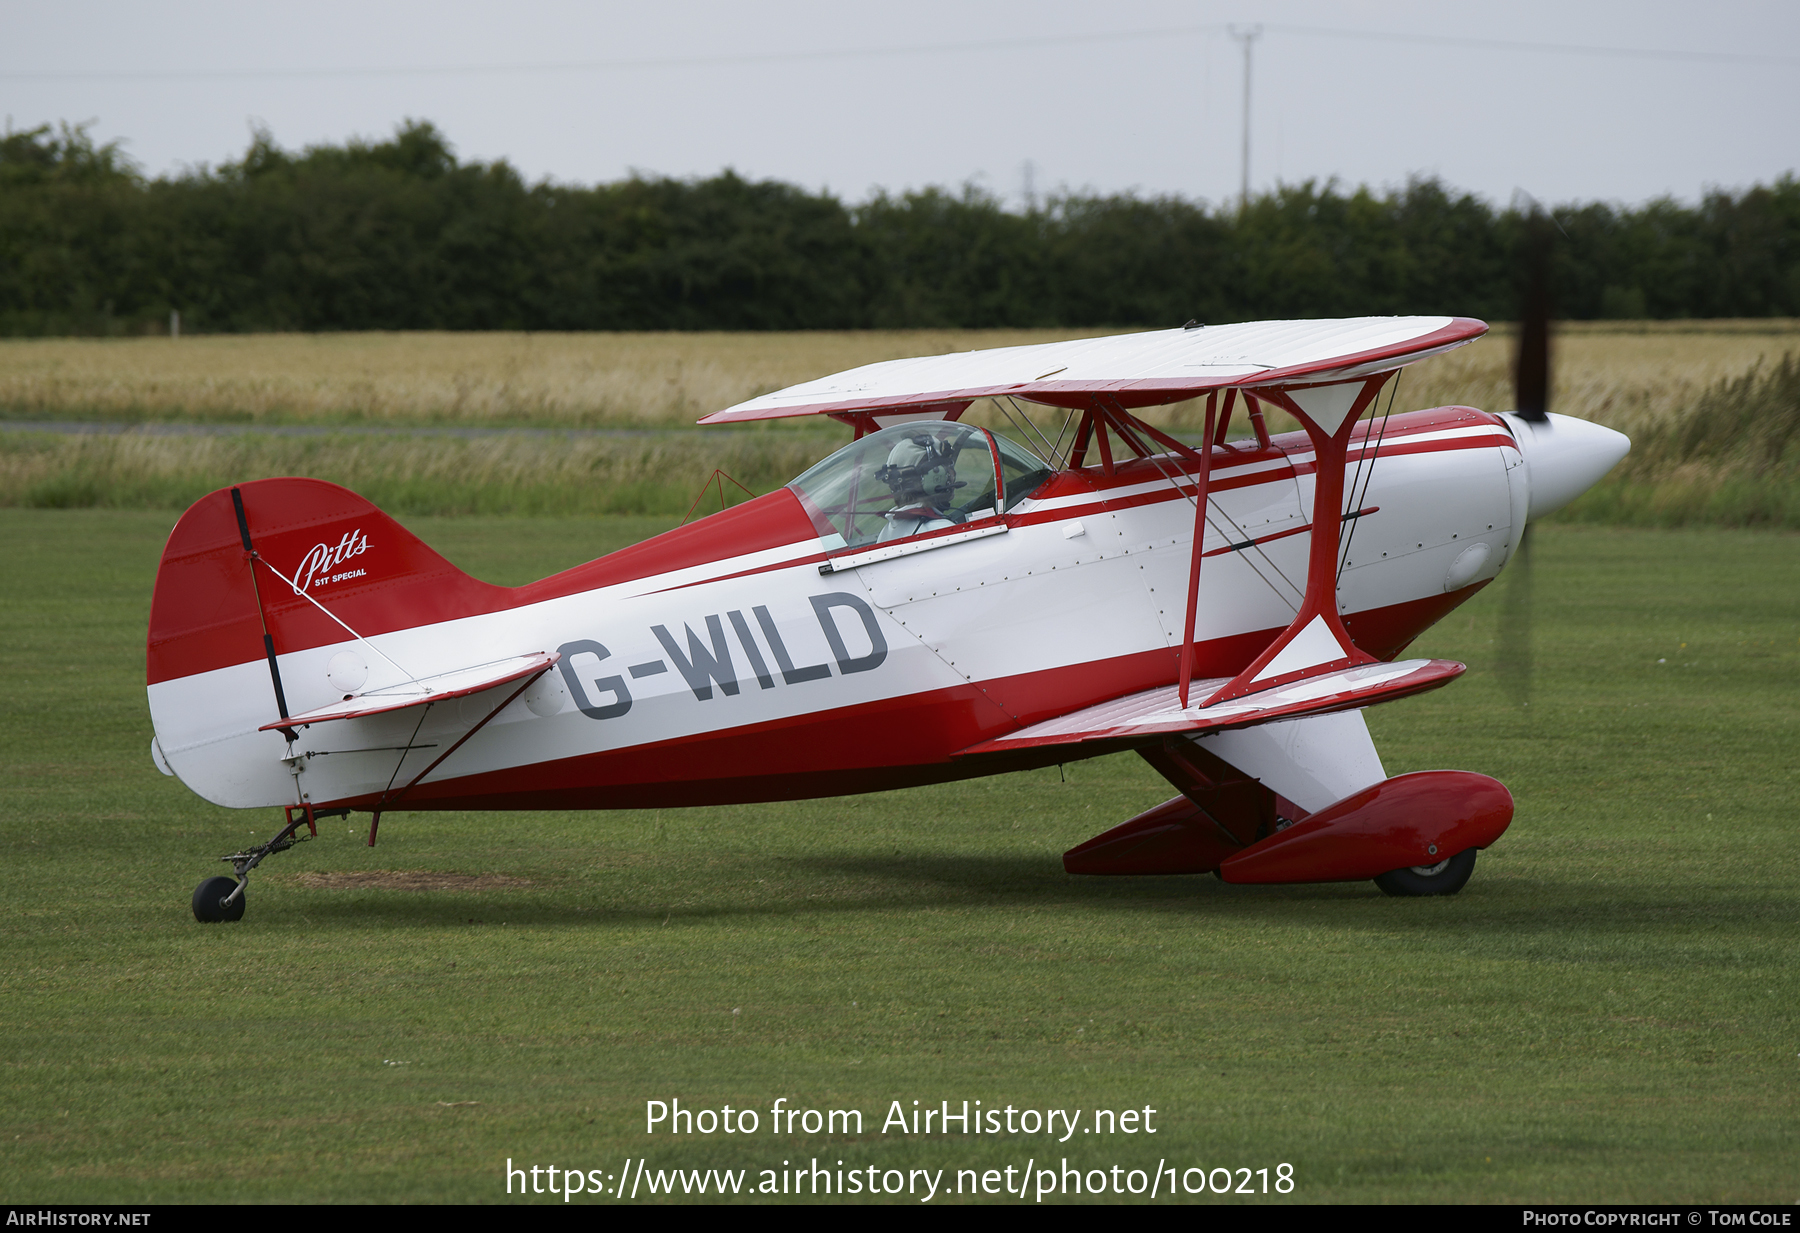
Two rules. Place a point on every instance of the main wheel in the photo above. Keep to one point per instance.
(1444, 878)
(209, 901)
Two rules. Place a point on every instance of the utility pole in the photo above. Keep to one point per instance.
(1247, 36)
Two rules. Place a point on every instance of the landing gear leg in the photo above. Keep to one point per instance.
(222, 899)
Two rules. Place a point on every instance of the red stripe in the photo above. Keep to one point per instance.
(1283, 447)
(816, 558)
(773, 520)
(1390, 450)
(876, 746)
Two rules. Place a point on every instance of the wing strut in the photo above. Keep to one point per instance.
(1193, 590)
(1128, 427)
(389, 801)
(1316, 641)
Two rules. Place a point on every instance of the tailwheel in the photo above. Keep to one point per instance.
(222, 898)
(214, 901)
(1444, 878)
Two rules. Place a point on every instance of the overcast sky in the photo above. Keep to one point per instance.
(1138, 95)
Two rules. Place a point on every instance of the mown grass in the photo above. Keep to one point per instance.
(1606, 1013)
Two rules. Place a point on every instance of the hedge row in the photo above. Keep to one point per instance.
(401, 235)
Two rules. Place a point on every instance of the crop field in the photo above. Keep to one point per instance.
(588, 424)
(594, 380)
(1617, 373)
(1606, 1013)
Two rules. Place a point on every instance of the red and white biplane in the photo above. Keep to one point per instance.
(934, 601)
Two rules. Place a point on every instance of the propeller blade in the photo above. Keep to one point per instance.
(1531, 377)
(1515, 625)
(1531, 395)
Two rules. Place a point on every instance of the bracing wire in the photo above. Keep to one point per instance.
(1238, 534)
(404, 750)
(1028, 431)
(1369, 479)
(1068, 420)
(328, 612)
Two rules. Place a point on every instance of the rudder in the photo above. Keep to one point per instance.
(208, 612)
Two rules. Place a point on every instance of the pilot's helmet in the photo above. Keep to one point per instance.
(920, 469)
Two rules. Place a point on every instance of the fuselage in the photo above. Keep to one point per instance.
(743, 658)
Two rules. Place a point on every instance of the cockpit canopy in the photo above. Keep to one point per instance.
(916, 478)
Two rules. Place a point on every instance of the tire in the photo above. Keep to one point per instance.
(1444, 878)
(209, 906)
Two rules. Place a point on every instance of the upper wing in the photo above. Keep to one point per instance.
(1135, 370)
(1157, 711)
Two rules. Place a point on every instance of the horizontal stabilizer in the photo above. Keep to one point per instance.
(440, 688)
(1157, 711)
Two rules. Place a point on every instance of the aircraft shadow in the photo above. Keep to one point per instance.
(886, 884)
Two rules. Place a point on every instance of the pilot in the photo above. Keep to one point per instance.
(921, 474)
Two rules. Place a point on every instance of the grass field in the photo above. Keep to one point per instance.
(1607, 1012)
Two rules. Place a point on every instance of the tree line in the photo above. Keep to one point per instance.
(400, 234)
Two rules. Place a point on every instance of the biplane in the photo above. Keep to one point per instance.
(934, 601)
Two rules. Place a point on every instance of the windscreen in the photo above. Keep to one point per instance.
(907, 480)
(1023, 471)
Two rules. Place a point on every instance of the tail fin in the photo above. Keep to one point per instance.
(210, 610)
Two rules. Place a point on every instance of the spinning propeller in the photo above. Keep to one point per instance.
(1531, 393)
